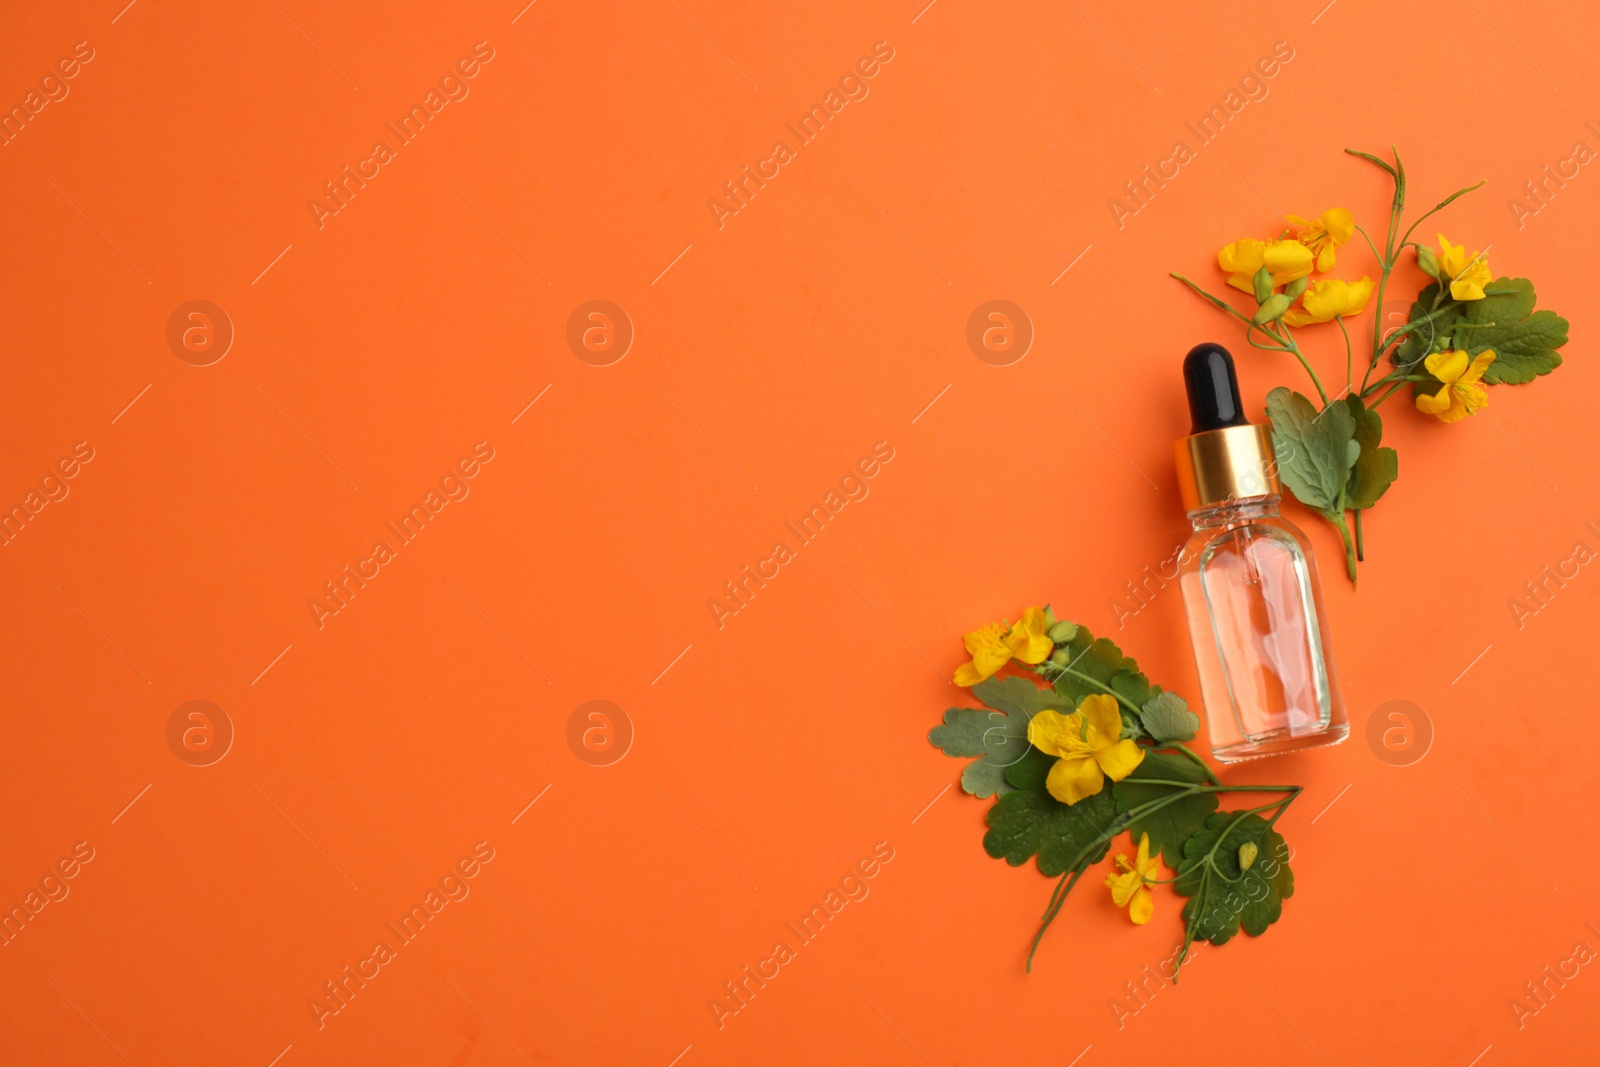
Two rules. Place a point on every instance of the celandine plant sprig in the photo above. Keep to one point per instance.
(1099, 752)
(1467, 329)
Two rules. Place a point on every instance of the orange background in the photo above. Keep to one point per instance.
(771, 754)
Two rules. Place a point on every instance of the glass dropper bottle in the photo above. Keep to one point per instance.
(1249, 582)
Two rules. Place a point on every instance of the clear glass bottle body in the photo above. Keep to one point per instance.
(1260, 632)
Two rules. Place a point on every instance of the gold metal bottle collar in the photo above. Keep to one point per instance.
(1232, 464)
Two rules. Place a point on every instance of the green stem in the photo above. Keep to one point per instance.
(1349, 355)
(1338, 520)
(1446, 202)
(1103, 687)
(1399, 206)
(1284, 806)
(1221, 305)
(1361, 554)
(1400, 376)
(1292, 347)
(1253, 329)
(1392, 390)
(1377, 323)
(1181, 747)
(1375, 253)
(1197, 787)
(1387, 259)
(1062, 889)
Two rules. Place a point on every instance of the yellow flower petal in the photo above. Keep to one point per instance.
(1468, 274)
(989, 660)
(1142, 906)
(1323, 237)
(989, 653)
(1328, 298)
(1123, 887)
(1120, 759)
(1129, 888)
(986, 637)
(1287, 260)
(1104, 720)
(1346, 299)
(1073, 778)
(1241, 260)
(1028, 640)
(1357, 294)
(1048, 730)
(1435, 404)
(1339, 223)
(1447, 365)
(1471, 282)
(1451, 257)
(1480, 363)
(1145, 864)
(967, 675)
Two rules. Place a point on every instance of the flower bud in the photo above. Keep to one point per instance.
(1063, 631)
(1263, 284)
(1272, 310)
(1296, 287)
(1049, 618)
(1247, 855)
(1427, 261)
(1060, 658)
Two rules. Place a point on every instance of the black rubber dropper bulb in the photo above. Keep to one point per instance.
(1213, 387)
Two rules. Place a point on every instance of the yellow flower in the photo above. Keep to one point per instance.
(1468, 274)
(1332, 229)
(994, 646)
(1090, 745)
(1329, 298)
(1287, 260)
(1461, 395)
(1131, 888)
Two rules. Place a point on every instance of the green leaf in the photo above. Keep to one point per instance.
(1131, 684)
(995, 737)
(1313, 448)
(1171, 826)
(1016, 697)
(984, 779)
(1166, 717)
(1026, 823)
(999, 737)
(963, 732)
(1096, 661)
(1524, 340)
(1376, 468)
(1431, 335)
(1222, 896)
(1030, 771)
